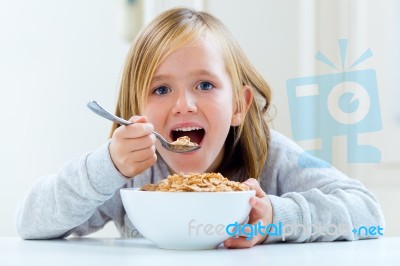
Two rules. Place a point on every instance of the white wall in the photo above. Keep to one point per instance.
(54, 57)
(57, 55)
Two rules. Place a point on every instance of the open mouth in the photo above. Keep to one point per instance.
(196, 134)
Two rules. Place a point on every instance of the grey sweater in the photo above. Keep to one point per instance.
(84, 195)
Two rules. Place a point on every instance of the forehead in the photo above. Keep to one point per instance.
(200, 55)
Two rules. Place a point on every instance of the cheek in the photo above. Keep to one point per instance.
(155, 108)
(152, 108)
(221, 106)
(153, 114)
(219, 116)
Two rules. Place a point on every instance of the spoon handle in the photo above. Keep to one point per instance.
(95, 107)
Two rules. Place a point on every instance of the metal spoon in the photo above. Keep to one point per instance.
(95, 107)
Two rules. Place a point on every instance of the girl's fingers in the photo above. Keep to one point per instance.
(260, 215)
(255, 185)
(132, 147)
(248, 237)
(139, 128)
(240, 242)
(143, 165)
(138, 119)
(259, 209)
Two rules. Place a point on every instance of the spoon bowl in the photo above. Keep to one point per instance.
(96, 108)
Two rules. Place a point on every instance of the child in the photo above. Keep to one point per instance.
(186, 75)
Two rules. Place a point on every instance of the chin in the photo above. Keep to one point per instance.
(187, 169)
(199, 162)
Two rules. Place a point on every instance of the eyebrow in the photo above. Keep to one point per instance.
(201, 72)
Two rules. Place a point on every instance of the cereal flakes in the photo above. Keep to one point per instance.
(207, 182)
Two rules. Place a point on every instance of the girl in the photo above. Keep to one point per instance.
(186, 75)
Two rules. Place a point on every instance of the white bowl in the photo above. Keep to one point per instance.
(186, 220)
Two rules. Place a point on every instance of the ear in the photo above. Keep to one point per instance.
(239, 113)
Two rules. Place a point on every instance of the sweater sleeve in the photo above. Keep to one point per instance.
(68, 201)
(316, 204)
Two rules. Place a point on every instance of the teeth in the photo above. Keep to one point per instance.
(187, 128)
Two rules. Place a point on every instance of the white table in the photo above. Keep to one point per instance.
(119, 252)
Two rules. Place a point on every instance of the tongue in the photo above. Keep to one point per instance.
(195, 135)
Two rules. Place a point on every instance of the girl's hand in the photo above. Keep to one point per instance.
(261, 212)
(132, 147)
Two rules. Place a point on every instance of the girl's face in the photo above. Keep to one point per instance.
(191, 95)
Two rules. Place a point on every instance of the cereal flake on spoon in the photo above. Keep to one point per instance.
(183, 142)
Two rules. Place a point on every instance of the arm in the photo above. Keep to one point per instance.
(68, 202)
(307, 199)
(81, 197)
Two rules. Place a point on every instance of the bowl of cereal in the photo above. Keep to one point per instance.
(188, 212)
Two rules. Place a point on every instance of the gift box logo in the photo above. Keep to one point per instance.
(339, 104)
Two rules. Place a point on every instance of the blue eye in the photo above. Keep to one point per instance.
(161, 90)
(205, 86)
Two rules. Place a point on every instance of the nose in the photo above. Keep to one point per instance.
(185, 103)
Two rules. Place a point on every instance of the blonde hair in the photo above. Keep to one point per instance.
(246, 146)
